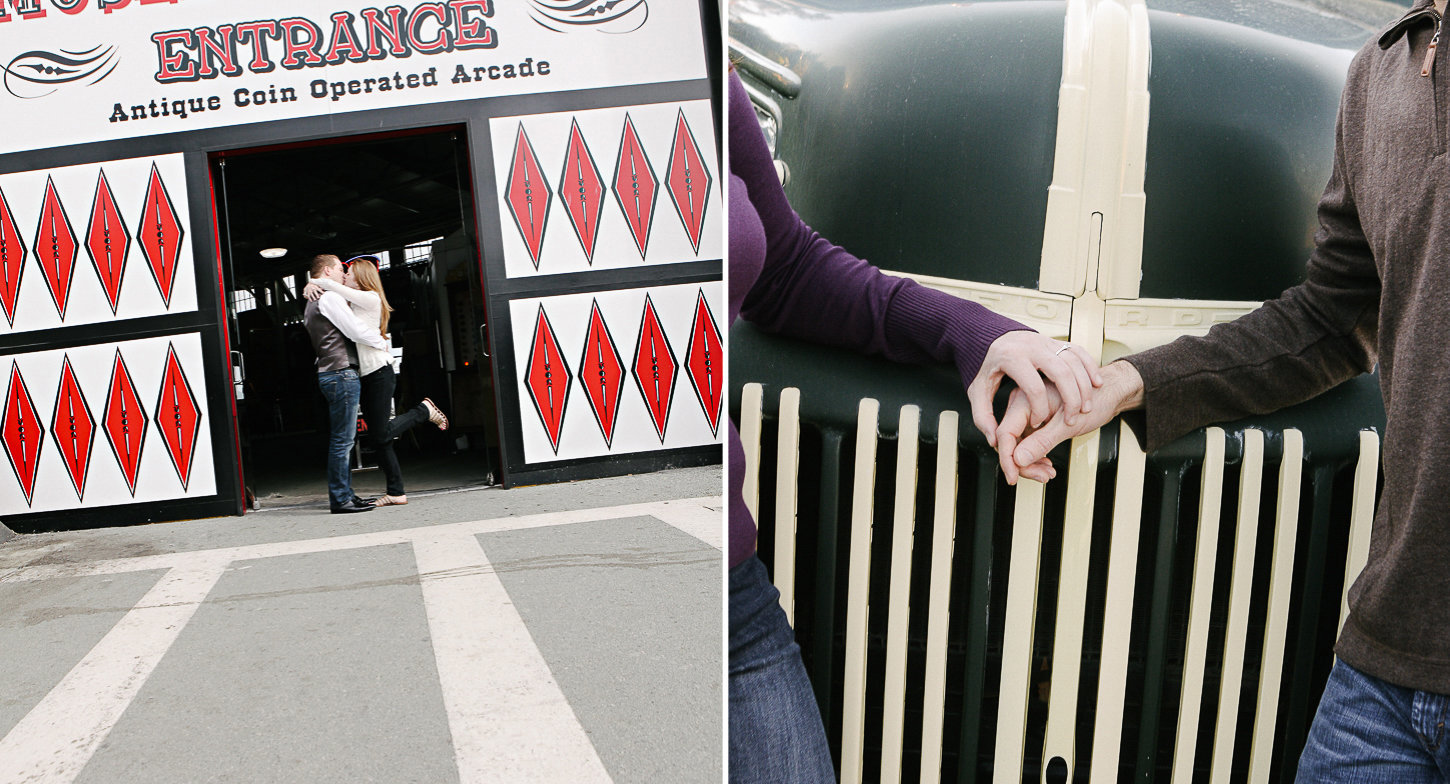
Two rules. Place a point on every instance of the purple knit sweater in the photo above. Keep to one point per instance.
(787, 279)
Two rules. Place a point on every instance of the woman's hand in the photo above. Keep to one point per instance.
(1026, 357)
(312, 291)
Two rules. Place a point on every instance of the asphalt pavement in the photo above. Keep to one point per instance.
(560, 633)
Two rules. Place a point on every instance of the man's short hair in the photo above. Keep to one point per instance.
(321, 262)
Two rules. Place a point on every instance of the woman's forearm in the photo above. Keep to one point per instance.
(352, 295)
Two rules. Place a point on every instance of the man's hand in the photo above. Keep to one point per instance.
(1026, 357)
(1022, 449)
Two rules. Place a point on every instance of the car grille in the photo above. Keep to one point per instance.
(1145, 616)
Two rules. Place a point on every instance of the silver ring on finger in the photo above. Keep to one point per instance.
(1065, 346)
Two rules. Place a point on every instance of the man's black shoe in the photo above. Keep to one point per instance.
(364, 501)
(351, 507)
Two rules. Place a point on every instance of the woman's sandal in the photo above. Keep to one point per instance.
(435, 414)
(391, 500)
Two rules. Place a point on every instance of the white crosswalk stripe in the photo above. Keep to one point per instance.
(57, 738)
(501, 699)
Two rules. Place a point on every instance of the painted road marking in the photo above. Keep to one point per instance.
(685, 514)
(57, 738)
(697, 517)
(509, 719)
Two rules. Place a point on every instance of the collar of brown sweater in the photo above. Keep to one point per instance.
(1421, 11)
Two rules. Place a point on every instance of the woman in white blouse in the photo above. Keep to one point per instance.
(364, 294)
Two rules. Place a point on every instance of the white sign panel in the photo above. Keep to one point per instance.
(616, 372)
(106, 424)
(607, 188)
(92, 243)
(79, 71)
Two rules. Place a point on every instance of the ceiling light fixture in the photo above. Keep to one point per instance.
(273, 253)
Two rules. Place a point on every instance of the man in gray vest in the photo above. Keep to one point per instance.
(334, 330)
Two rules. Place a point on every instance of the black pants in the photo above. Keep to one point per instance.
(377, 395)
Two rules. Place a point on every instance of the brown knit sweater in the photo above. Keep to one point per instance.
(1377, 288)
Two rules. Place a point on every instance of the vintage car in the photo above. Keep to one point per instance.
(1116, 172)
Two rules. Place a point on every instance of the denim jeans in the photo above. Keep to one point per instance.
(341, 389)
(383, 427)
(1367, 731)
(776, 733)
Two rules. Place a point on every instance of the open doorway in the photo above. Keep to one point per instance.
(406, 198)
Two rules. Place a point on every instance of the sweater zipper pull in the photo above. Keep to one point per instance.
(1430, 53)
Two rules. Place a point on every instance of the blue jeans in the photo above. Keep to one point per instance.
(1367, 731)
(776, 733)
(341, 388)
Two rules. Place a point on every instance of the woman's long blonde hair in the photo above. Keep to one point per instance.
(366, 275)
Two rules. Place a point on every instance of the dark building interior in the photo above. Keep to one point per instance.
(408, 198)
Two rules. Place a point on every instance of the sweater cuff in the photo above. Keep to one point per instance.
(947, 328)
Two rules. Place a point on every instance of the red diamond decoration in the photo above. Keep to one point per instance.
(108, 241)
(688, 180)
(654, 368)
(125, 422)
(178, 417)
(705, 364)
(160, 234)
(635, 186)
(601, 373)
(548, 379)
(73, 428)
(55, 246)
(12, 260)
(528, 195)
(22, 432)
(582, 190)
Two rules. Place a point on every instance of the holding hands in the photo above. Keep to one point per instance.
(1054, 380)
(1061, 393)
(1024, 437)
(1035, 362)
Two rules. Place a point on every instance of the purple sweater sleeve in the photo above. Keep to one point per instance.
(811, 289)
(787, 279)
